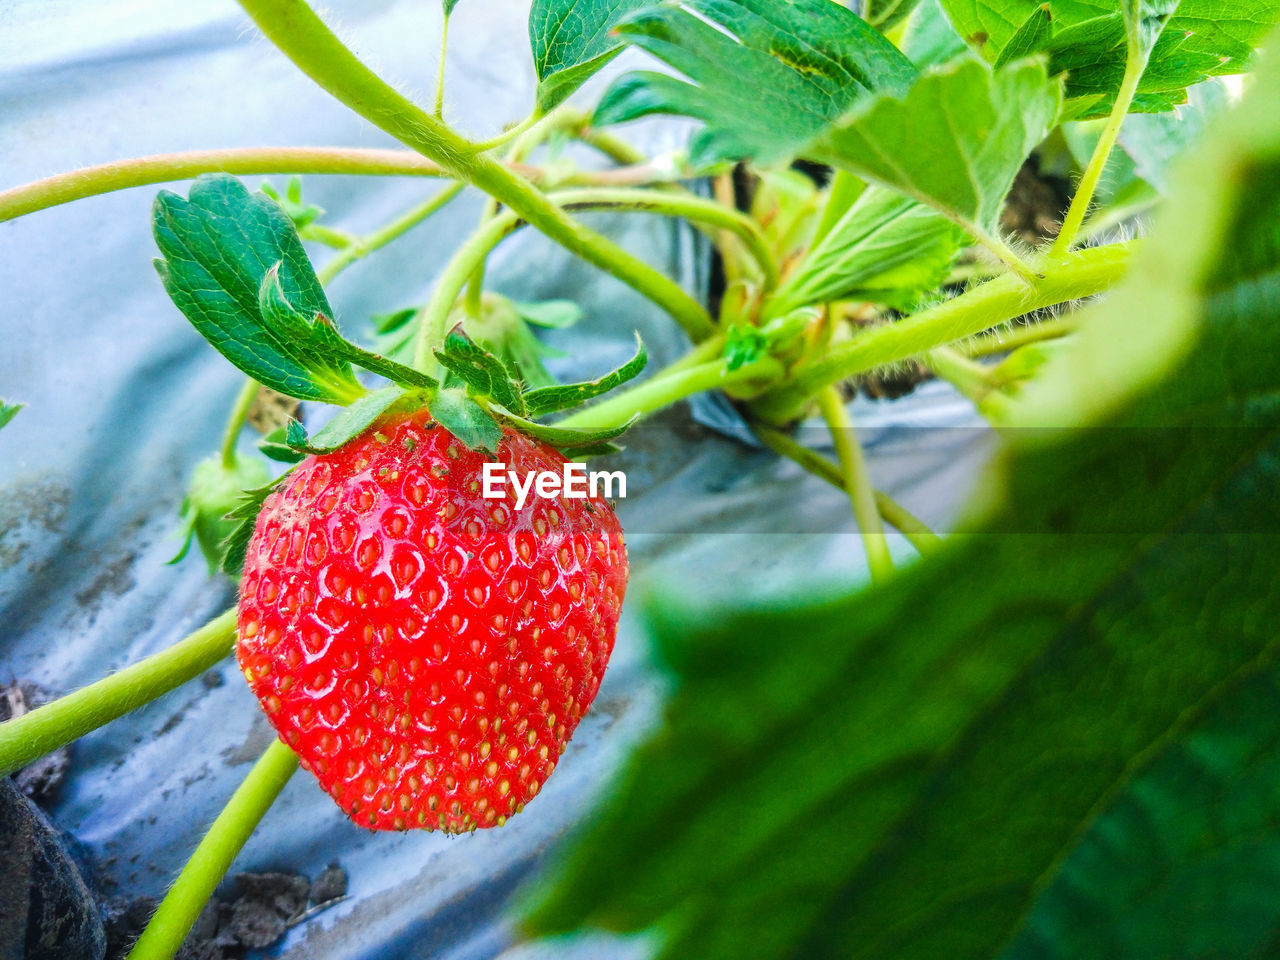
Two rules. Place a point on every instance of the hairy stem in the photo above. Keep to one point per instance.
(294, 27)
(235, 422)
(363, 246)
(444, 49)
(664, 390)
(434, 317)
(209, 862)
(1079, 274)
(966, 375)
(1006, 340)
(910, 526)
(1133, 70)
(166, 167)
(56, 724)
(857, 483)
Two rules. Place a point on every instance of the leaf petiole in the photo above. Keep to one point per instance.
(209, 862)
(857, 483)
(56, 724)
(235, 421)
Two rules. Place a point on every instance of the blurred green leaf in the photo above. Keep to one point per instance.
(1153, 140)
(887, 248)
(1088, 41)
(1194, 834)
(8, 411)
(901, 773)
(449, 5)
(955, 142)
(552, 314)
(808, 61)
(929, 40)
(571, 40)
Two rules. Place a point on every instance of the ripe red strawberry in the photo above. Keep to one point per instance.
(428, 653)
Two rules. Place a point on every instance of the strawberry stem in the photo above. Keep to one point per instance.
(857, 483)
(235, 421)
(1080, 274)
(892, 512)
(32, 735)
(209, 862)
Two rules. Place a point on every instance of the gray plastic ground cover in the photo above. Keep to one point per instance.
(124, 398)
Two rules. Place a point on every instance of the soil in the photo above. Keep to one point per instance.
(40, 780)
(262, 909)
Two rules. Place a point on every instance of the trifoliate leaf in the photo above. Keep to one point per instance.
(766, 76)
(886, 248)
(561, 397)
(219, 247)
(214, 492)
(571, 40)
(8, 411)
(954, 142)
(483, 373)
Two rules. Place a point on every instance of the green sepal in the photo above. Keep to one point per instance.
(479, 369)
(276, 446)
(549, 399)
(8, 411)
(243, 518)
(565, 439)
(465, 419)
(302, 214)
(350, 422)
(214, 491)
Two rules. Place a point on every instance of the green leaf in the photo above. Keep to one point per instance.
(929, 39)
(1030, 38)
(886, 248)
(480, 370)
(220, 249)
(1153, 140)
(465, 419)
(571, 40)
(350, 422)
(448, 6)
(1090, 42)
(561, 397)
(955, 142)
(241, 521)
(808, 62)
(901, 772)
(8, 411)
(1196, 820)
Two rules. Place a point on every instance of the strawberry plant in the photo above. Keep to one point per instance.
(1046, 732)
